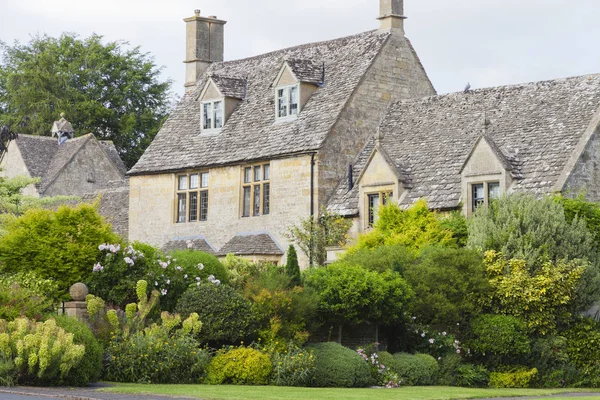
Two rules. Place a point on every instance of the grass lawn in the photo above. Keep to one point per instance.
(209, 392)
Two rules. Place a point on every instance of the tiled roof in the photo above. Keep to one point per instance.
(114, 205)
(230, 87)
(251, 132)
(191, 244)
(251, 244)
(37, 153)
(307, 71)
(63, 155)
(535, 126)
(113, 154)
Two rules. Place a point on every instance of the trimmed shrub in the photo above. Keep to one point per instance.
(583, 347)
(61, 245)
(226, 315)
(198, 263)
(89, 369)
(518, 378)
(292, 269)
(17, 301)
(339, 366)
(415, 369)
(469, 375)
(240, 366)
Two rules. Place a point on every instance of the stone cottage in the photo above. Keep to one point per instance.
(67, 166)
(459, 151)
(257, 144)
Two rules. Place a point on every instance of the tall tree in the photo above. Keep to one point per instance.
(111, 90)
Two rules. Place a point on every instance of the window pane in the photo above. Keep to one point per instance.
(373, 203)
(204, 180)
(267, 172)
(182, 182)
(193, 207)
(282, 103)
(294, 100)
(181, 207)
(246, 205)
(387, 197)
(266, 199)
(478, 196)
(256, 174)
(493, 190)
(218, 114)
(256, 200)
(207, 116)
(204, 205)
(194, 181)
(247, 175)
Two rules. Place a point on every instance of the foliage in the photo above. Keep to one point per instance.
(424, 339)
(41, 352)
(89, 369)
(537, 230)
(292, 366)
(540, 297)
(57, 245)
(314, 234)
(292, 269)
(414, 228)
(499, 339)
(12, 200)
(381, 258)
(453, 372)
(456, 223)
(240, 366)
(226, 315)
(30, 281)
(517, 378)
(106, 88)
(583, 347)
(550, 356)
(380, 371)
(415, 369)
(165, 353)
(579, 208)
(338, 366)
(449, 286)
(17, 301)
(352, 294)
(240, 270)
(284, 313)
(191, 260)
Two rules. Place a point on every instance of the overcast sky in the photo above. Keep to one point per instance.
(484, 42)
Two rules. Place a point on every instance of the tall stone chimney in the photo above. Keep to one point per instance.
(391, 15)
(204, 43)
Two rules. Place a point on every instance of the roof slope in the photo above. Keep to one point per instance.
(64, 154)
(536, 126)
(37, 153)
(251, 244)
(251, 132)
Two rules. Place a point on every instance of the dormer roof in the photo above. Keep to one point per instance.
(307, 71)
(508, 157)
(230, 87)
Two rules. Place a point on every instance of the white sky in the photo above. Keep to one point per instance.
(485, 42)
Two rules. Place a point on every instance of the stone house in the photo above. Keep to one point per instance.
(460, 150)
(257, 144)
(67, 166)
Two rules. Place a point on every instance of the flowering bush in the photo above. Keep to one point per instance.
(381, 373)
(426, 340)
(239, 366)
(37, 352)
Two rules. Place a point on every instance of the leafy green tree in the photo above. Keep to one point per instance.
(353, 295)
(314, 235)
(537, 230)
(109, 89)
(381, 258)
(292, 268)
(580, 208)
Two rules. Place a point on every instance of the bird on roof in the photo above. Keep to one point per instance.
(468, 88)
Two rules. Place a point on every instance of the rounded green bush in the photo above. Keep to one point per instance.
(226, 316)
(89, 369)
(240, 366)
(189, 260)
(415, 369)
(339, 366)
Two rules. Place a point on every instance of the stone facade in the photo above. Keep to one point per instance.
(13, 164)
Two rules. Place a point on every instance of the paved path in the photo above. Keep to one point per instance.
(35, 393)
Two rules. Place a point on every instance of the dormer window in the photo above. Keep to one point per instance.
(212, 115)
(288, 101)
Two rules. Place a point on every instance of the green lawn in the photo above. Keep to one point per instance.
(209, 392)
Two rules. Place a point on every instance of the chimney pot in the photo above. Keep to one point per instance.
(197, 12)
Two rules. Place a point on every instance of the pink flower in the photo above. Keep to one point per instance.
(163, 292)
(163, 264)
(128, 261)
(98, 268)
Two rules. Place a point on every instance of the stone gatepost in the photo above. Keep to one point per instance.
(77, 308)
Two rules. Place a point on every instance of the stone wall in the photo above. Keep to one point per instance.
(14, 159)
(395, 74)
(585, 177)
(152, 205)
(88, 172)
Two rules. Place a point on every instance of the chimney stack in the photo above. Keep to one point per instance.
(391, 15)
(204, 42)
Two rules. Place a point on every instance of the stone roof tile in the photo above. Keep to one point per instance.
(230, 87)
(37, 153)
(251, 244)
(199, 244)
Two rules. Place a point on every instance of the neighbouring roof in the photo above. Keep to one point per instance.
(535, 127)
(189, 244)
(230, 87)
(113, 205)
(63, 155)
(113, 154)
(251, 244)
(251, 132)
(37, 153)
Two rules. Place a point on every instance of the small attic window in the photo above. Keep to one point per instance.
(212, 115)
(288, 101)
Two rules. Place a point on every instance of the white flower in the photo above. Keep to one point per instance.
(128, 261)
(216, 282)
(190, 244)
(103, 247)
(179, 268)
(432, 341)
(198, 279)
(155, 283)
(211, 278)
(163, 292)
(98, 268)
(444, 333)
(168, 281)
(200, 266)
(163, 264)
(423, 334)
(457, 351)
(185, 276)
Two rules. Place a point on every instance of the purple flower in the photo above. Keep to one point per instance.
(457, 351)
(98, 268)
(163, 264)
(128, 261)
(103, 247)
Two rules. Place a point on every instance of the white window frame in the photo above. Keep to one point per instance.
(286, 92)
(213, 123)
